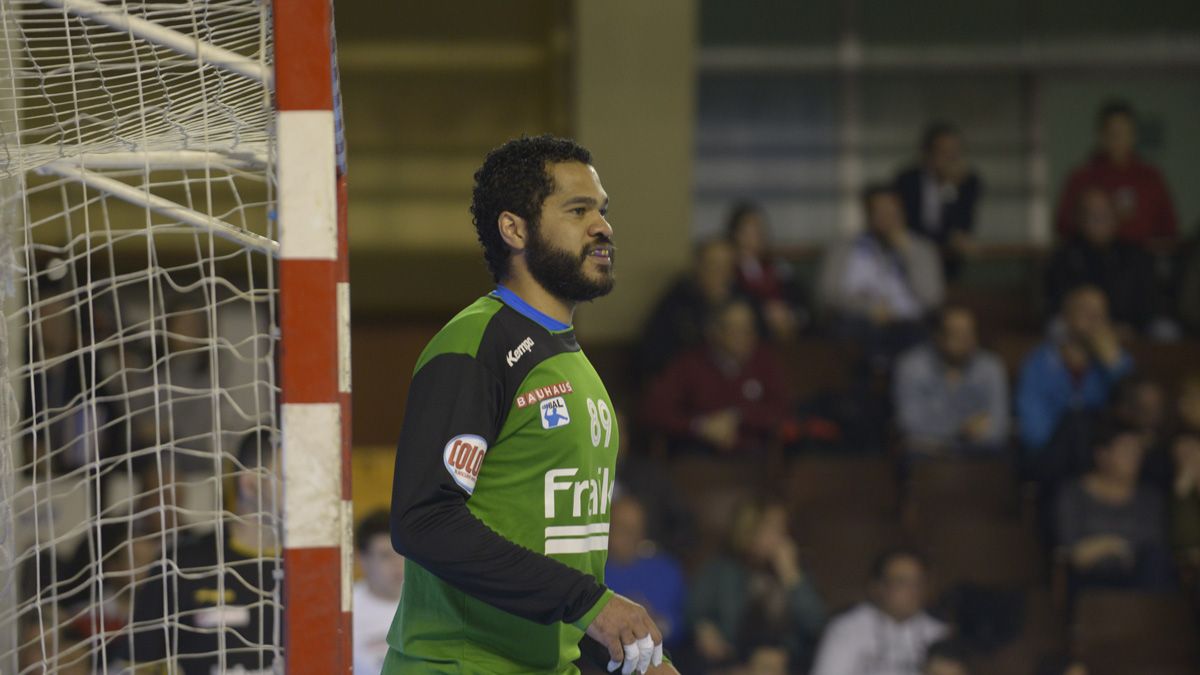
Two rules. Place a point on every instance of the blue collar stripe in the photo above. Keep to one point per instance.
(524, 308)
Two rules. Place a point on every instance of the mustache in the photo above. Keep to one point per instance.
(601, 242)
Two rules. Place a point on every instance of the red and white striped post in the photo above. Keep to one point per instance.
(314, 370)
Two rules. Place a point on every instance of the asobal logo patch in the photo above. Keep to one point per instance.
(463, 457)
(555, 413)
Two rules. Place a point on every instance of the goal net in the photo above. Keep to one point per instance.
(144, 490)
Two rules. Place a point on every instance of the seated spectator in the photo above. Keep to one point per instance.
(726, 396)
(947, 657)
(1187, 283)
(1073, 371)
(638, 570)
(1110, 527)
(1140, 404)
(1093, 256)
(950, 395)
(767, 281)
(880, 284)
(756, 590)
(1145, 213)
(940, 195)
(676, 323)
(890, 634)
(648, 479)
(377, 594)
(1185, 451)
(186, 589)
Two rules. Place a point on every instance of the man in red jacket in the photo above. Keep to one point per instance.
(1137, 188)
(727, 395)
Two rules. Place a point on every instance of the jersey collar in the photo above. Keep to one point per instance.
(513, 300)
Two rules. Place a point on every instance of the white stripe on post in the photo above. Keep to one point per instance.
(312, 475)
(307, 185)
(347, 555)
(343, 318)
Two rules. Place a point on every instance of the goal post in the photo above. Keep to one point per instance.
(314, 310)
(174, 350)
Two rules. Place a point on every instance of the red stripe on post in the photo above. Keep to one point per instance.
(348, 640)
(303, 67)
(308, 321)
(343, 230)
(313, 612)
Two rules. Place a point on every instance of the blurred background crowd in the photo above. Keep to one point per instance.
(905, 344)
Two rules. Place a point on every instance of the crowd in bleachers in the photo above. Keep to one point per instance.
(949, 503)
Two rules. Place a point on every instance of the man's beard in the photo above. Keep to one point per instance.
(561, 273)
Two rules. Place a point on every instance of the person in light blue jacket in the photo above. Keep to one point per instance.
(1074, 371)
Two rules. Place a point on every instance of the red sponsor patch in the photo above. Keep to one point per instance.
(542, 393)
(463, 457)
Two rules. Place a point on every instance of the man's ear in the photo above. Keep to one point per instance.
(513, 230)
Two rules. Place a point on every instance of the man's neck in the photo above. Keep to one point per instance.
(539, 298)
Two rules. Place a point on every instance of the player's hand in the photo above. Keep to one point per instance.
(632, 639)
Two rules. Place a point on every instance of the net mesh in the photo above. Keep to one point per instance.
(138, 484)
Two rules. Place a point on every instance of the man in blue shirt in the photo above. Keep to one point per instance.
(1074, 370)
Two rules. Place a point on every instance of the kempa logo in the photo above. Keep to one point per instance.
(522, 349)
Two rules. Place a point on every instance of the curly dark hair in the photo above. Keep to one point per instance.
(516, 177)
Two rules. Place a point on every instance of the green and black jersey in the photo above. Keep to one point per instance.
(504, 477)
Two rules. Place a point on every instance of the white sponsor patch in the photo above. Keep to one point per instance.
(463, 457)
(555, 413)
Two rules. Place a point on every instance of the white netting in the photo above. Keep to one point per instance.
(138, 421)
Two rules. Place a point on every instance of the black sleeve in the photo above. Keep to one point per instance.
(451, 396)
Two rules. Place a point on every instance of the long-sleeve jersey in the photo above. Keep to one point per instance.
(500, 502)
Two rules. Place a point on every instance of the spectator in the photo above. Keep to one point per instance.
(1074, 371)
(1093, 256)
(880, 284)
(377, 594)
(639, 571)
(1187, 284)
(649, 480)
(64, 434)
(947, 657)
(951, 395)
(1140, 404)
(756, 590)
(189, 584)
(940, 195)
(1143, 203)
(677, 322)
(726, 396)
(1185, 452)
(766, 280)
(1112, 529)
(888, 635)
